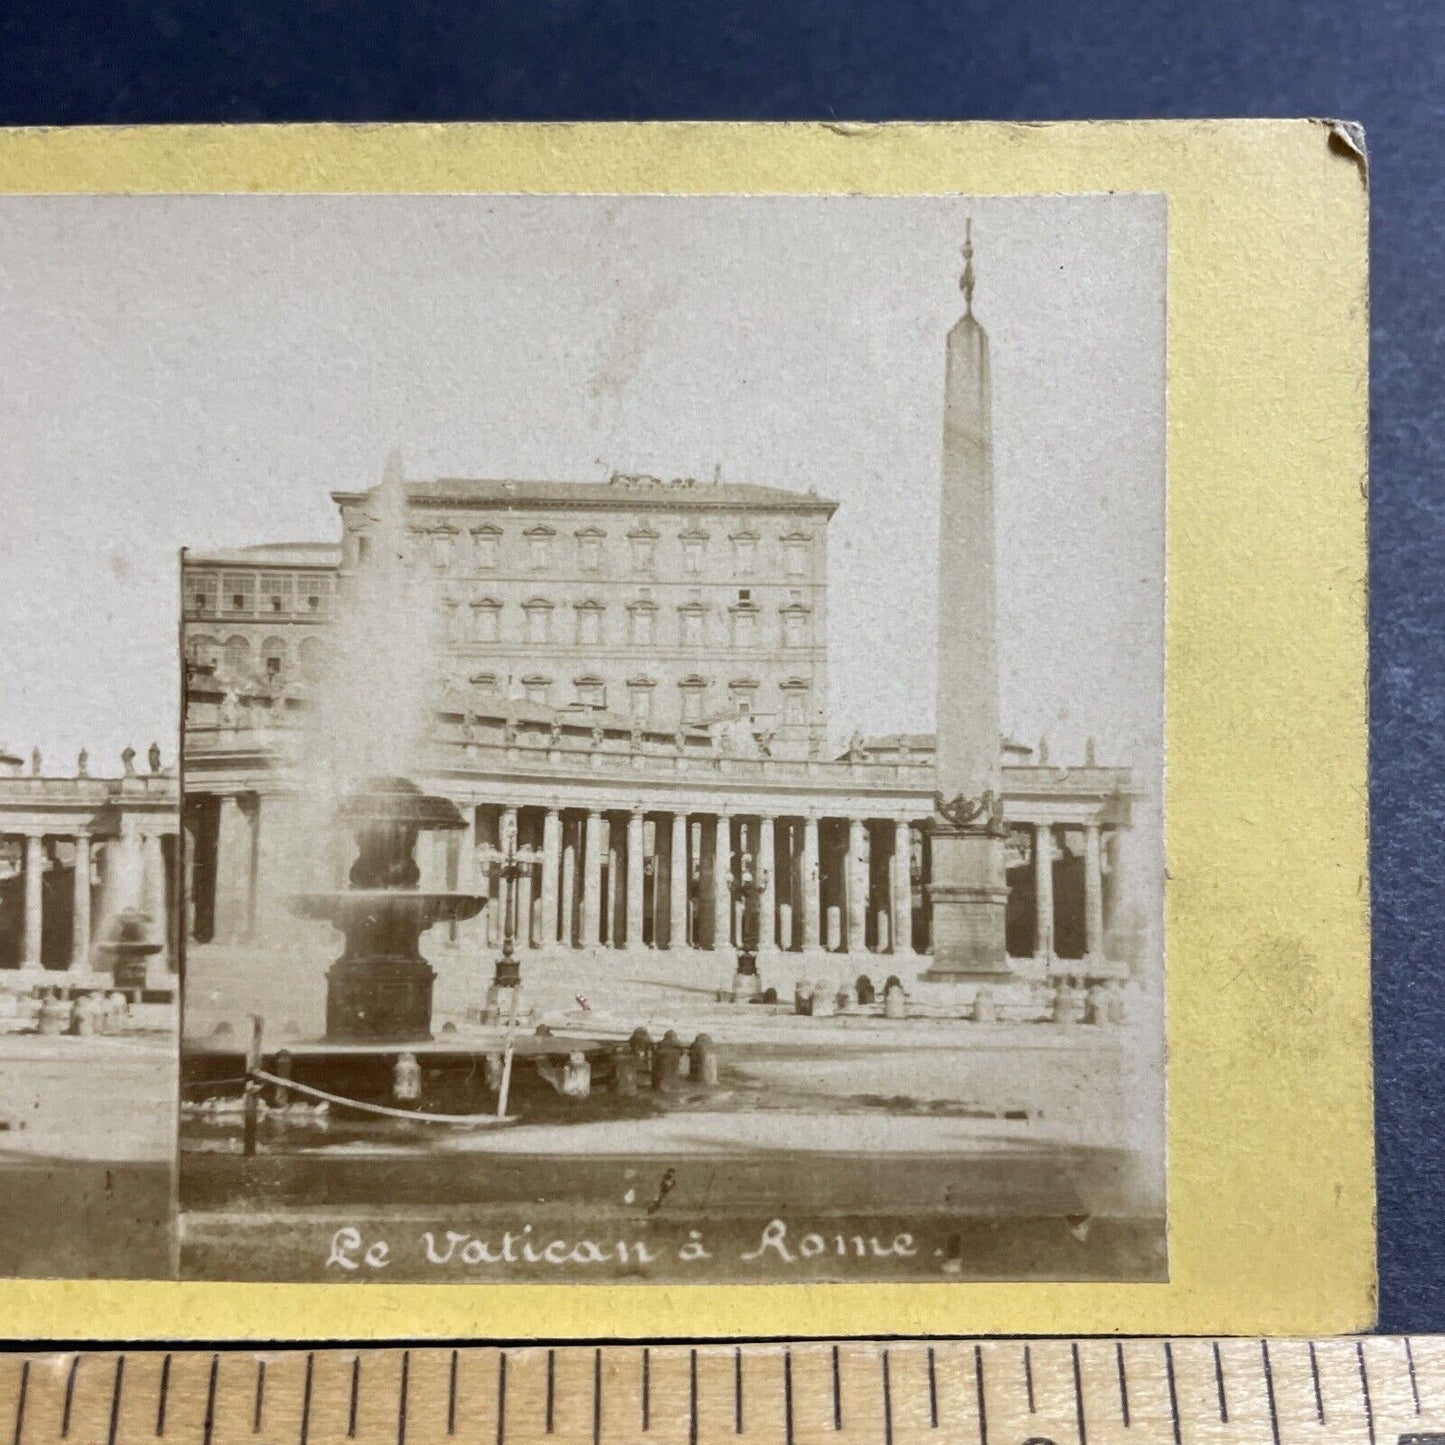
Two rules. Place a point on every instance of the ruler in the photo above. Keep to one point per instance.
(1368, 1391)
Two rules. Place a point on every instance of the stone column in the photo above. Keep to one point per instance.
(569, 893)
(635, 866)
(615, 894)
(233, 872)
(524, 906)
(80, 905)
(592, 882)
(1043, 892)
(857, 886)
(677, 896)
(902, 887)
(153, 890)
(722, 872)
(551, 848)
(508, 835)
(34, 906)
(1093, 895)
(768, 898)
(811, 883)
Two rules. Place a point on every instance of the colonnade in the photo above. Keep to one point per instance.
(125, 871)
(650, 878)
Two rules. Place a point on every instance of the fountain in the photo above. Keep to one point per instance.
(129, 942)
(380, 989)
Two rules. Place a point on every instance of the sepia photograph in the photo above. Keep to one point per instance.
(662, 775)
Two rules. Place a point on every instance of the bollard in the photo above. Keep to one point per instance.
(667, 1062)
(803, 999)
(641, 1046)
(703, 1059)
(577, 1077)
(895, 1004)
(82, 1016)
(624, 1072)
(54, 1014)
(406, 1079)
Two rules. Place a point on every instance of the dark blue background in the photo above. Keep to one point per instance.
(1382, 63)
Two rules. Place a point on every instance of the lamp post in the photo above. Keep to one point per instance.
(508, 863)
(749, 885)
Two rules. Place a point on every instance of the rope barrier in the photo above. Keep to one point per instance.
(386, 1111)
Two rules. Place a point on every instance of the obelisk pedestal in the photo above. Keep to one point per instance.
(969, 891)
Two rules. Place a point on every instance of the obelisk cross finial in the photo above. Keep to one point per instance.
(965, 282)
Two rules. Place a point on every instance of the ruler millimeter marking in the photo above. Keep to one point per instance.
(1368, 1391)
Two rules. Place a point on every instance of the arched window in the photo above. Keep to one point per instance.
(273, 656)
(237, 657)
(313, 658)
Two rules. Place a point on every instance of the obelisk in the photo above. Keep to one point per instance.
(969, 890)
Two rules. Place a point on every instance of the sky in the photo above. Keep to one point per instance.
(205, 371)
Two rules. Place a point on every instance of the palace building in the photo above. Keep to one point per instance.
(632, 683)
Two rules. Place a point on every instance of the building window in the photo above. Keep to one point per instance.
(644, 549)
(539, 548)
(795, 704)
(442, 544)
(451, 612)
(275, 593)
(315, 595)
(538, 690)
(745, 553)
(745, 625)
(589, 624)
(795, 555)
(591, 691)
(640, 617)
(313, 656)
(485, 683)
(694, 544)
(237, 657)
(692, 626)
(589, 549)
(639, 698)
(273, 655)
(240, 593)
(486, 620)
(202, 653)
(795, 627)
(539, 620)
(741, 693)
(693, 691)
(203, 589)
(485, 545)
